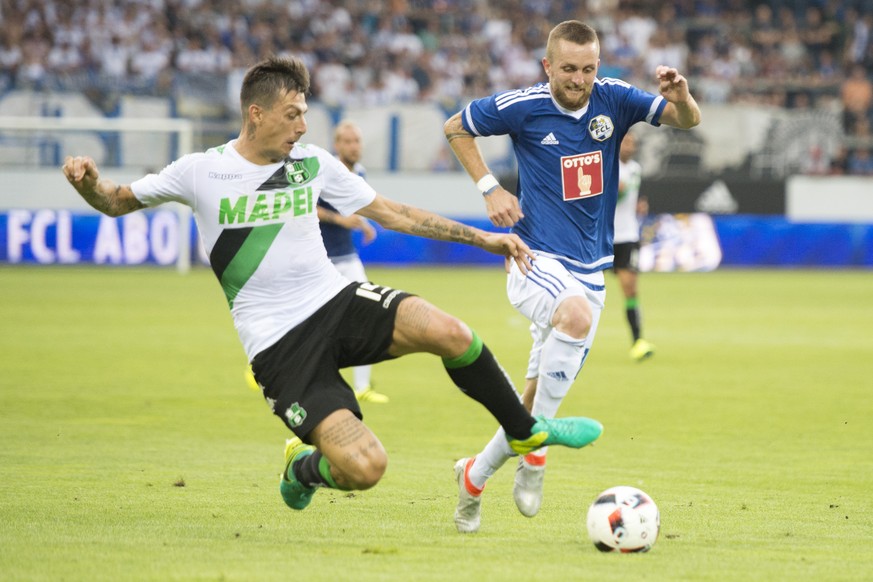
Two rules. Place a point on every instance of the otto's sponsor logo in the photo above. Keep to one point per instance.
(601, 128)
(220, 176)
(582, 175)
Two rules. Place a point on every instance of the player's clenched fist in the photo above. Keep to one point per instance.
(103, 195)
(671, 84)
(81, 171)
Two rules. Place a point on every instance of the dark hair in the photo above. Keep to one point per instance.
(572, 31)
(265, 82)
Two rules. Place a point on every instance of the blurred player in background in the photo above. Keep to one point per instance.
(336, 232)
(566, 136)
(298, 319)
(626, 264)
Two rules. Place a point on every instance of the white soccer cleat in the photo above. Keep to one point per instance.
(528, 488)
(467, 513)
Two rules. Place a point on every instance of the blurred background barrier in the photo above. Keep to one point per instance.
(745, 141)
(680, 242)
(698, 224)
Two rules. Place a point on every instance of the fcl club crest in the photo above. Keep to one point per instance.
(582, 175)
(601, 128)
(296, 172)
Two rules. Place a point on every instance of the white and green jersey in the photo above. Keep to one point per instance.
(627, 225)
(260, 230)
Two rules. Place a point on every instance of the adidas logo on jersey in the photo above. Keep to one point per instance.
(550, 140)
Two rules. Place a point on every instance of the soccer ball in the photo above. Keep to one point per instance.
(624, 519)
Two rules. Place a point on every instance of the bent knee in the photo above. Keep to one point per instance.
(573, 317)
(421, 327)
(365, 473)
(456, 336)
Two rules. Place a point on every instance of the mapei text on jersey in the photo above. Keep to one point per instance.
(267, 206)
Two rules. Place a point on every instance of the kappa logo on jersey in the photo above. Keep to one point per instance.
(223, 176)
(267, 206)
(550, 140)
(301, 171)
(601, 128)
(582, 175)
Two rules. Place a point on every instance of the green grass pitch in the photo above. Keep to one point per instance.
(133, 450)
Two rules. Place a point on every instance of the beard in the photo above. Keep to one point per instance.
(571, 98)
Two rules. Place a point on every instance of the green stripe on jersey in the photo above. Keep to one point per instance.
(247, 259)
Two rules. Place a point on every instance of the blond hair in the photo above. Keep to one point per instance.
(573, 31)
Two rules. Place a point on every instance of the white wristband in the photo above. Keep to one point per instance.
(487, 184)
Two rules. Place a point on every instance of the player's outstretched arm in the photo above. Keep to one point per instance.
(502, 207)
(104, 195)
(411, 220)
(682, 110)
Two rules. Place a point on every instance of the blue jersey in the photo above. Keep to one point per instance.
(567, 164)
(338, 239)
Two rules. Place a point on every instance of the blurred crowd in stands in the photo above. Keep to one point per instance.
(793, 54)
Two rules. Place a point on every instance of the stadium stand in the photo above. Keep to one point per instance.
(795, 55)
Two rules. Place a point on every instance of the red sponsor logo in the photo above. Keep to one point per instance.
(582, 175)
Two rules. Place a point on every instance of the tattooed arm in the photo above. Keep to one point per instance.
(104, 195)
(411, 220)
(503, 208)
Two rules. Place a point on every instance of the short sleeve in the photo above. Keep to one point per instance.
(173, 184)
(482, 118)
(346, 191)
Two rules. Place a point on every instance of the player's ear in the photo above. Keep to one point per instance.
(256, 113)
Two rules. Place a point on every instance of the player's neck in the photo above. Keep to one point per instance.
(250, 151)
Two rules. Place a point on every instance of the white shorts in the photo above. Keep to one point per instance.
(537, 296)
(350, 267)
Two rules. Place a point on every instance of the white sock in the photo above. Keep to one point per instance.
(361, 377)
(560, 362)
(492, 457)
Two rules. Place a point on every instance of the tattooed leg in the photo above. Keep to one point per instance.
(355, 458)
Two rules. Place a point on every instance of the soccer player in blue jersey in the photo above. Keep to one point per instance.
(566, 135)
(336, 232)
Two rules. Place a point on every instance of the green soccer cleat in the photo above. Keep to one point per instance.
(296, 494)
(574, 432)
(642, 350)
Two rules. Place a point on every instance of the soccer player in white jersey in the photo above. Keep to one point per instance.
(336, 233)
(626, 264)
(299, 320)
(566, 135)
